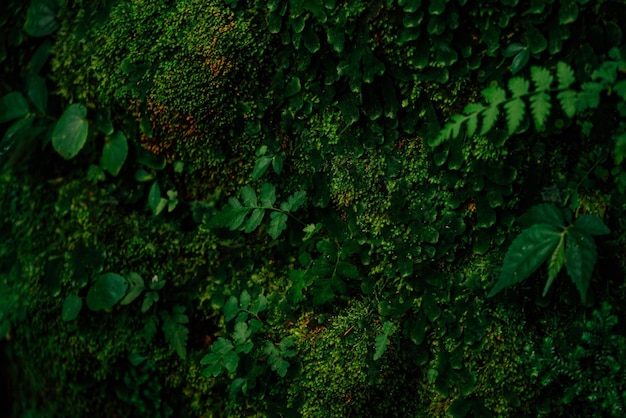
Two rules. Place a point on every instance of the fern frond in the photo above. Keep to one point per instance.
(542, 78)
(515, 110)
(568, 99)
(541, 106)
(564, 75)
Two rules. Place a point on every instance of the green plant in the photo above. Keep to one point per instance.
(550, 236)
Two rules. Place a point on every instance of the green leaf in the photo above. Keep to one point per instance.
(137, 286)
(148, 300)
(382, 341)
(591, 225)
(71, 308)
(259, 305)
(13, 106)
(347, 270)
(494, 95)
(37, 92)
(114, 153)
(564, 75)
(106, 291)
(541, 77)
(294, 201)
(518, 86)
(231, 308)
(292, 87)
(261, 166)
(40, 18)
(275, 359)
(527, 252)
(39, 58)
(176, 333)
(490, 115)
(241, 333)
(222, 355)
(513, 49)
(537, 43)
(515, 110)
(540, 105)
(555, 264)
(546, 213)
(248, 195)
(568, 100)
(277, 225)
(267, 195)
(255, 220)
(155, 198)
(277, 162)
(311, 40)
(580, 258)
(70, 132)
(520, 61)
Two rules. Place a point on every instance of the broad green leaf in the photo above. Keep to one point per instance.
(70, 132)
(568, 13)
(591, 225)
(17, 132)
(259, 304)
(254, 220)
(148, 300)
(277, 162)
(13, 106)
(555, 264)
(106, 291)
(248, 196)
(274, 22)
(540, 105)
(261, 166)
(430, 306)
(515, 110)
(527, 252)
(292, 87)
(311, 40)
(541, 77)
(294, 201)
(137, 286)
(71, 308)
(347, 270)
(564, 75)
(39, 58)
(37, 92)
(222, 355)
(512, 49)
(580, 258)
(537, 43)
(520, 61)
(277, 225)
(241, 333)
(41, 18)
(114, 153)
(231, 308)
(229, 217)
(568, 100)
(267, 195)
(543, 213)
(620, 89)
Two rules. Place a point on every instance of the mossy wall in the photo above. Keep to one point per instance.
(373, 299)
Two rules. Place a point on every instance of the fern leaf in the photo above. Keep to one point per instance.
(541, 77)
(515, 110)
(568, 100)
(472, 110)
(564, 75)
(494, 95)
(518, 86)
(490, 115)
(457, 122)
(589, 97)
(540, 105)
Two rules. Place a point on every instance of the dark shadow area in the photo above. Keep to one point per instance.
(6, 393)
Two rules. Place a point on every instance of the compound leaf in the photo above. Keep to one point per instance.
(580, 258)
(540, 105)
(277, 225)
(527, 252)
(541, 77)
(591, 225)
(555, 264)
(564, 75)
(515, 110)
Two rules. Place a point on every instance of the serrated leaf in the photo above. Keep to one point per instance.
(382, 341)
(589, 96)
(555, 264)
(241, 333)
(543, 213)
(70, 131)
(261, 166)
(542, 78)
(106, 291)
(254, 220)
(540, 105)
(580, 259)
(518, 86)
(277, 225)
(71, 308)
(248, 195)
(591, 225)
(148, 300)
(259, 304)
(231, 308)
(527, 252)
(268, 195)
(175, 331)
(515, 110)
(114, 153)
(490, 115)
(568, 100)
(294, 201)
(564, 75)
(222, 356)
(494, 95)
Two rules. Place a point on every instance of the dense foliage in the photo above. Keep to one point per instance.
(313, 208)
